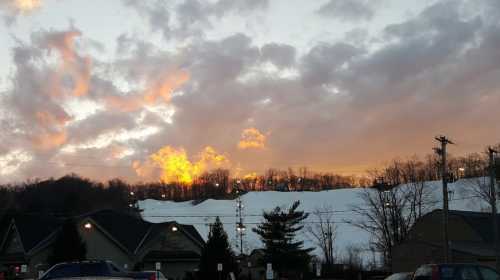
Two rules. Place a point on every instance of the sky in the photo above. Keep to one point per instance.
(137, 89)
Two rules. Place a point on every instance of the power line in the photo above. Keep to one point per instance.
(353, 211)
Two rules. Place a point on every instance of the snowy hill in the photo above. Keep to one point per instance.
(256, 202)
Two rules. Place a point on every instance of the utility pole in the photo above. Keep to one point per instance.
(240, 227)
(493, 202)
(441, 151)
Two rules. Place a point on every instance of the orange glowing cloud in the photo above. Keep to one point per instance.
(250, 176)
(72, 65)
(164, 87)
(177, 167)
(252, 138)
(48, 119)
(50, 140)
(27, 5)
(156, 92)
(52, 133)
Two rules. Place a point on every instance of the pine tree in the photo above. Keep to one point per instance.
(217, 250)
(278, 232)
(68, 245)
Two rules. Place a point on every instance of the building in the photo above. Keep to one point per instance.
(130, 242)
(470, 235)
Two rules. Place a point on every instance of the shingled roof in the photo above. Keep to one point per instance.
(128, 231)
(480, 222)
(33, 229)
(191, 230)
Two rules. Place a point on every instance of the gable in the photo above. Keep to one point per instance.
(100, 244)
(128, 231)
(162, 238)
(35, 229)
(13, 242)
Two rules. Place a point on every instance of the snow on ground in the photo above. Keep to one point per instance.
(255, 203)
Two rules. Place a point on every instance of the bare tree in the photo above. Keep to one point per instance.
(352, 257)
(389, 211)
(323, 232)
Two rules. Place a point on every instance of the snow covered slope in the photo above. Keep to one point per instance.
(255, 203)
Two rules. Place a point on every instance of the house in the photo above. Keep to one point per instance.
(130, 242)
(470, 238)
(252, 266)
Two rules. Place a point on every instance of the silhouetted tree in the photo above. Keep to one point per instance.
(277, 232)
(217, 250)
(323, 233)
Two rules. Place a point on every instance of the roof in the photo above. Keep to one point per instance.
(128, 231)
(480, 222)
(191, 230)
(33, 229)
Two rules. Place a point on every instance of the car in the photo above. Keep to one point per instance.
(148, 275)
(400, 276)
(86, 270)
(463, 271)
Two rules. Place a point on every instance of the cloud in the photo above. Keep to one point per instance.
(190, 18)
(176, 167)
(252, 138)
(348, 10)
(13, 8)
(281, 55)
(347, 105)
(74, 68)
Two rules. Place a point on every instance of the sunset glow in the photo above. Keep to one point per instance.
(177, 167)
(27, 5)
(141, 87)
(252, 138)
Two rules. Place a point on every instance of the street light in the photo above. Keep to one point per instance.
(240, 227)
(87, 225)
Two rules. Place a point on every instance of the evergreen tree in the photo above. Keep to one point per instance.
(217, 250)
(68, 245)
(277, 232)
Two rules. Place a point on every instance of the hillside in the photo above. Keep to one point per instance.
(255, 202)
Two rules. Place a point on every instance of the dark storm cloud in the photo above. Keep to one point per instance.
(348, 10)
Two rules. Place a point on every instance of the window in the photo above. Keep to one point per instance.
(488, 273)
